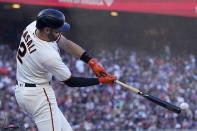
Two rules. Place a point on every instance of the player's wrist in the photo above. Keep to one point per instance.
(85, 57)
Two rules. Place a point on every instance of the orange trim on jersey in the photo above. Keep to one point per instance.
(58, 39)
(39, 37)
(50, 109)
(67, 79)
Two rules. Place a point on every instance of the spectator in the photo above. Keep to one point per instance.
(115, 108)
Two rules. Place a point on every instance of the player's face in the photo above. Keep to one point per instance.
(53, 34)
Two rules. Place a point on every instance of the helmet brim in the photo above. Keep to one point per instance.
(64, 28)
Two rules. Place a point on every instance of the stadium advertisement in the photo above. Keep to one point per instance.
(169, 7)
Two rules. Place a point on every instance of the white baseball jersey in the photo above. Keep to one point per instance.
(38, 60)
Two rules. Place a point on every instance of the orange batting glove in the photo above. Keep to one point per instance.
(98, 70)
(109, 79)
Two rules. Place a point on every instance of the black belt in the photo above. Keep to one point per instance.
(28, 84)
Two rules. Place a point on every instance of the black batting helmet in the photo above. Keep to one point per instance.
(53, 19)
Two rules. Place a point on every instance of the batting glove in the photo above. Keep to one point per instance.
(98, 70)
(109, 79)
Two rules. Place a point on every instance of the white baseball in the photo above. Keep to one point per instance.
(184, 106)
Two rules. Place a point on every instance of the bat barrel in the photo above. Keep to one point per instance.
(162, 103)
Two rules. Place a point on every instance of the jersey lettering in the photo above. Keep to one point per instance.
(22, 47)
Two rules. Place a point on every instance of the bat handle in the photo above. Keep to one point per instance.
(127, 86)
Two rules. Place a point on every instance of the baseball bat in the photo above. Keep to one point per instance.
(154, 99)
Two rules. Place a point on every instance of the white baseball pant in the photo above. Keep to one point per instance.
(40, 102)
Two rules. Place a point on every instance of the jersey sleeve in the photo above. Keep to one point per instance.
(56, 66)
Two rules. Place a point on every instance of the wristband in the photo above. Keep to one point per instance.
(85, 57)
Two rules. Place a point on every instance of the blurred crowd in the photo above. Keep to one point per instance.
(171, 78)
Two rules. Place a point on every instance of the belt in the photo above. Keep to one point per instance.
(27, 84)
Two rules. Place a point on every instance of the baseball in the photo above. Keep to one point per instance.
(184, 106)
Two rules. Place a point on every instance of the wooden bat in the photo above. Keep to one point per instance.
(154, 99)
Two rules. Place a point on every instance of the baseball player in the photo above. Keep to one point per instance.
(38, 59)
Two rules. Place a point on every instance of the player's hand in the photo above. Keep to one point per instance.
(98, 70)
(109, 79)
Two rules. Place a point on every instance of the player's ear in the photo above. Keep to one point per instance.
(46, 30)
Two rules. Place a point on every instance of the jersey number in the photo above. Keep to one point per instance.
(21, 51)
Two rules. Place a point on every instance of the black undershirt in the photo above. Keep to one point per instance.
(81, 82)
